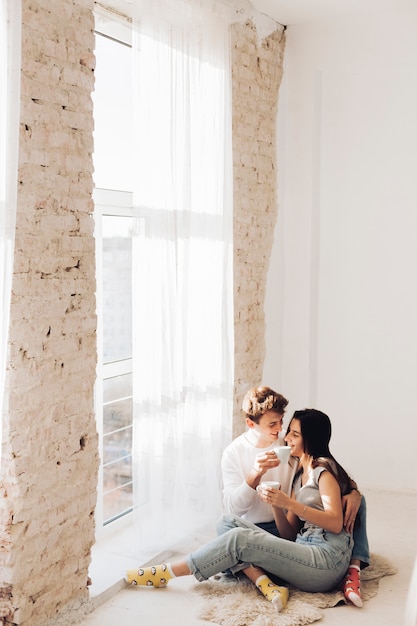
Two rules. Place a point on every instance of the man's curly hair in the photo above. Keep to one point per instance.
(259, 400)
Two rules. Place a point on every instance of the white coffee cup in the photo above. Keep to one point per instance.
(283, 453)
(273, 484)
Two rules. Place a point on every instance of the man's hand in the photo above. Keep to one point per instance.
(263, 462)
(351, 503)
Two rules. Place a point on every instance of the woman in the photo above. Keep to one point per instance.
(313, 551)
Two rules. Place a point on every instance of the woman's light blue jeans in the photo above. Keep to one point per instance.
(316, 561)
(360, 536)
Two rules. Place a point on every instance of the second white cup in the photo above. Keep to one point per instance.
(274, 484)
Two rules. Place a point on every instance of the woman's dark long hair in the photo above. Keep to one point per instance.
(316, 430)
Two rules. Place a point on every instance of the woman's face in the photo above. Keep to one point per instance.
(294, 438)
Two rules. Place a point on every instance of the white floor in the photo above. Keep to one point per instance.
(392, 533)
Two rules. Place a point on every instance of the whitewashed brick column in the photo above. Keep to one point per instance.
(256, 73)
(50, 455)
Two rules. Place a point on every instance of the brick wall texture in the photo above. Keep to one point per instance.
(256, 73)
(50, 452)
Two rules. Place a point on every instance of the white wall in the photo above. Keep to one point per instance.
(341, 308)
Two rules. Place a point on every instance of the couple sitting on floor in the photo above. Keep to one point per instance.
(310, 532)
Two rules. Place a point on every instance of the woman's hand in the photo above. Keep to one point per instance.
(273, 496)
(279, 501)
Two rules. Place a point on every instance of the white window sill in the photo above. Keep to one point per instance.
(113, 555)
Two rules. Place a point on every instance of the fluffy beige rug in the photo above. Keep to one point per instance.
(232, 602)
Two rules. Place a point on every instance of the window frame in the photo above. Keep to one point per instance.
(108, 202)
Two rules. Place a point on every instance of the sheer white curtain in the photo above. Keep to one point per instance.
(10, 15)
(182, 285)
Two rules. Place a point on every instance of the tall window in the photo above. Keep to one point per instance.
(115, 224)
(114, 389)
(168, 343)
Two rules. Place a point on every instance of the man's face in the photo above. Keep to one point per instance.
(268, 428)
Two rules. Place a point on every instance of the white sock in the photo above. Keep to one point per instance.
(169, 568)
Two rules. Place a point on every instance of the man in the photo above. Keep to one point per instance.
(250, 459)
